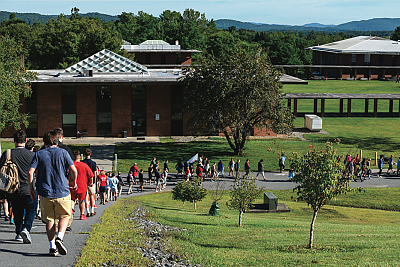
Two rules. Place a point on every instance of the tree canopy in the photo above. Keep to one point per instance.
(234, 94)
(15, 83)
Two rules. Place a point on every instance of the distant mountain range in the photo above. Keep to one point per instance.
(377, 24)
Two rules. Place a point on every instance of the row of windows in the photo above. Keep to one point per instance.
(103, 111)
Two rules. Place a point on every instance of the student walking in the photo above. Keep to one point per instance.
(390, 162)
(103, 181)
(23, 206)
(380, 166)
(53, 189)
(260, 169)
(246, 168)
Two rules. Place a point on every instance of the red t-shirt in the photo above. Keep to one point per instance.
(103, 180)
(135, 170)
(85, 175)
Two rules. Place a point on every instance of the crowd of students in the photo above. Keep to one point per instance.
(52, 179)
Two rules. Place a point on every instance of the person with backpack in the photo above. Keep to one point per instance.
(237, 167)
(23, 206)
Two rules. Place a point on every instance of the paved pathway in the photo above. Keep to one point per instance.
(36, 254)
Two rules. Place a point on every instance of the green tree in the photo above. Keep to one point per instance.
(65, 41)
(319, 179)
(244, 192)
(396, 34)
(180, 191)
(15, 83)
(196, 193)
(233, 95)
(220, 43)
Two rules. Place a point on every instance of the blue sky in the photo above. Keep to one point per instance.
(291, 12)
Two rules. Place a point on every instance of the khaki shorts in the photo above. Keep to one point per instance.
(91, 190)
(55, 208)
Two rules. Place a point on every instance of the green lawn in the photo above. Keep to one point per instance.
(8, 145)
(353, 87)
(381, 135)
(343, 236)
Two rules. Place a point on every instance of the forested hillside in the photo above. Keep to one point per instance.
(65, 40)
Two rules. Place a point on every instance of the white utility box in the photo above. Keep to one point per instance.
(313, 122)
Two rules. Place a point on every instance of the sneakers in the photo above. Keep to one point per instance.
(60, 246)
(53, 252)
(25, 236)
(18, 238)
(69, 229)
(83, 217)
(12, 221)
(94, 213)
(95, 206)
(6, 218)
(88, 215)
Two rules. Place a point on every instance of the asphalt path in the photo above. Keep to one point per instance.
(37, 254)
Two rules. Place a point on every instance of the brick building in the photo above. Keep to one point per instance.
(160, 54)
(106, 95)
(366, 57)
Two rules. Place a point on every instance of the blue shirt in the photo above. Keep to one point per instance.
(113, 181)
(380, 163)
(52, 164)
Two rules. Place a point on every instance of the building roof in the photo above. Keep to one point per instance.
(361, 45)
(109, 67)
(106, 61)
(157, 46)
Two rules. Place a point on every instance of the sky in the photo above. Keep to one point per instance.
(287, 12)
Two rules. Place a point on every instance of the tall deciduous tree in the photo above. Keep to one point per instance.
(15, 83)
(234, 94)
(244, 192)
(66, 41)
(319, 179)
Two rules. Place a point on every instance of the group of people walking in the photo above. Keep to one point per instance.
(52, 179)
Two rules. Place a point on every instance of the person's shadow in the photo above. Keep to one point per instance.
(27, 254)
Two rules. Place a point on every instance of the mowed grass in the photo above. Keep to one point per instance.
(371, 135)
(113, 239)
(343, 236)
(352, 87)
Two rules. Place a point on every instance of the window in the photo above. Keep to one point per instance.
(31, 110)
(163, 58)
(103, 109)
(367, 59)
(353, 59)
(68, 107)
(139, 109)
(176, 110)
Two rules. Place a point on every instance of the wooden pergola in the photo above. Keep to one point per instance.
(342, 97)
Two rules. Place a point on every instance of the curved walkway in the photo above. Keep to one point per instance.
(36, 254)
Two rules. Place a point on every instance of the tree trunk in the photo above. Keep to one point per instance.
(195, 208)
(312, 229)
(240, 218)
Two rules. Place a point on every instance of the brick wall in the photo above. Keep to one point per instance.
(49, 112)
(158, 101)
(121, 115)
(86, 117)
(263, 132)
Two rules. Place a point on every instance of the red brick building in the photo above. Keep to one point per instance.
(361, 57)
(107, 95)
(160, 54)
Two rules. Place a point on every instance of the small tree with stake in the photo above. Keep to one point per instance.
(243, 194)
(196, 193)
(189, 191)
(180, 191)
(319, 179)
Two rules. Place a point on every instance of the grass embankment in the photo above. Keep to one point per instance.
(113, 240)
(381, 135)
(351, 87)
(343, 236)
